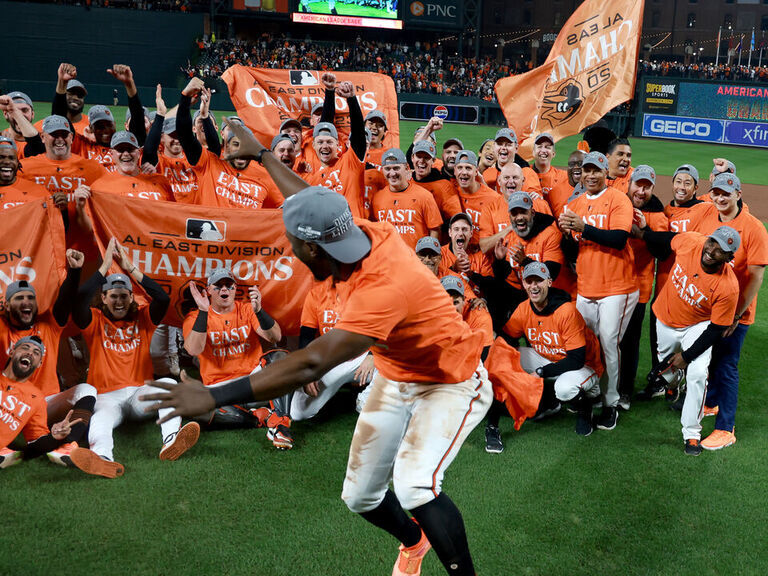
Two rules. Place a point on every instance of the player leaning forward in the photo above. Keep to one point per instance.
(431, 390)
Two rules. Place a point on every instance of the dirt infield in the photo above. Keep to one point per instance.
(755, 195)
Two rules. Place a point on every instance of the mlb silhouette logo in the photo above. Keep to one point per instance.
(303, 78)
(206, 230)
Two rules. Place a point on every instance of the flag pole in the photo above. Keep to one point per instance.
(741, 41)
(751, 47)
(762, 44)
(717, 53)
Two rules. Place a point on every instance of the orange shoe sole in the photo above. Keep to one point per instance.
(91, 463)
(185, 439)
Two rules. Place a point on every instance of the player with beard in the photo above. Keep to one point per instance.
(428, 252)
(410, 208)
(649, 215)
(554, 182)
(118, 332)
(426, 175)
(284, 148)
(574, 169)
(619, 156)
(505, 146)
(23, 410)
(23, 104)
(15, 191)
(22, 319)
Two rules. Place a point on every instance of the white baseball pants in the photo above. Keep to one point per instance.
(164, 343)
(304, 407)
(568, 384)
(60, 404)
(671, 340)
(409, 433)
(115, 406)
(608, 318)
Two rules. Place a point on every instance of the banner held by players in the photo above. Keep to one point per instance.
(175, 245)
(264, 98)
(589, 71)
(32, 248)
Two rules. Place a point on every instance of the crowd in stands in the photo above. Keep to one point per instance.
(156, 5)
(703, 71)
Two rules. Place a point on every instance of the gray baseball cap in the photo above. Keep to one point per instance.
(18, 286)
(727, 238)
(544, 136)
(56, 123)
(34, 340)
(74, 85)
(688, 169)
(425, 146)
(727, 182)
(729, 167)
(210, 115)
(452, 284)
(596, 159)
(128, 113)
(231, 119)
(520, 200)
(393, 156)
(460, 216)
(169, 125)
(538, 269)
(220, 274)
(280, 138)
(317, 109)
(16, 95)
(644, 172)
(123, 137)
(117, 281)
(507, 133)
(428, 243)
(374, 114)
(7, 142)
(325, 127)
(100, 112)
(323, 217)
(466, 157)
(455, 141)
(289, 122)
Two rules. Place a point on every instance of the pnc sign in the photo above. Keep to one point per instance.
(434, 13)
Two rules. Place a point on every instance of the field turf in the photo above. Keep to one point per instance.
(623, 502)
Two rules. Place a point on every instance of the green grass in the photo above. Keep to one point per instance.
(345, 9)
(623, 502)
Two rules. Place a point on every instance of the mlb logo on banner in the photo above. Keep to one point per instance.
(206, 230)
(303, 78)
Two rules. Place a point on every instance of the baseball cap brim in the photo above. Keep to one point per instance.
(350, 248)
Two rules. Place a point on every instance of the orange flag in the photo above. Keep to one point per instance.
(589, 71)
(176, 244)
(520, 391)
(32, 248)
(264, 98)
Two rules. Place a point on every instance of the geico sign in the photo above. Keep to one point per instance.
(681, 127)
(432, 9)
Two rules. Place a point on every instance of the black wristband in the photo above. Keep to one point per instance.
(201, 322)
(265, 320)
(260, 154)
(237, 391)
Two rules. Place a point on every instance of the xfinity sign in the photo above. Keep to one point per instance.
(683, 128)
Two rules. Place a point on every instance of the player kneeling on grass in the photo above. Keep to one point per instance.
(23, 410)
(432, 388)
(118, 332)
(226, 336)
(561, 349)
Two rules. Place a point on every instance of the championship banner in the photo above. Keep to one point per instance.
(32, 248)
(264, 98)
(590, 70)
(176, 244)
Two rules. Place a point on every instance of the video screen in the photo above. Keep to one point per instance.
(360, 8)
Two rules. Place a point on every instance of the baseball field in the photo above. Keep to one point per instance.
(621, 502)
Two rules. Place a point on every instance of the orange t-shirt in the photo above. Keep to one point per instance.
(307, 161)
(601, 270)
(621, 183)
(144, 186)
(531, 182)
(479, 263)
(232, 348)
(690, 295)
(22, 410)
(413, 212)
(479, 320)
(374, 181)
(392, 297)
(20, 144)
(92, 151)
(644, 261)
(347, 177)
(20, 192)
(180, 175)
(556, 189)
(753, 251)
(445, 196)
(373, 155)
(488, 211)
(221, 185)
(543, 247)
(553, 336)
(48, 330)
(491, 175)
(119, 350)
(321, 306)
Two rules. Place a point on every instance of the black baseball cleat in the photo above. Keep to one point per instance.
(493, 443)
(608, 417)
(693, 447)
(651, 391)
(546, 412)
